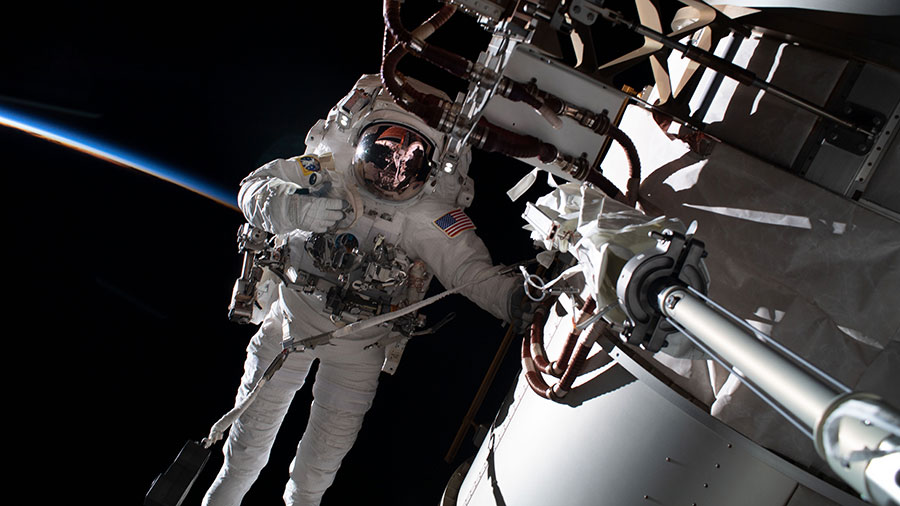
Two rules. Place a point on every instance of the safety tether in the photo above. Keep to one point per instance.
(218, 429)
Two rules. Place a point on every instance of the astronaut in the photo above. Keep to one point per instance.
(369, 215)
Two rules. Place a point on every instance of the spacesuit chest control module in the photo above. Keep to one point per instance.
(353, 283)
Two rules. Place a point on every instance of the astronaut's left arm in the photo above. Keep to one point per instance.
(456, 261)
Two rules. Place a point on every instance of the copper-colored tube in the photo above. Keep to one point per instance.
(571, 362)
(518, 92)
(536, 341)
(451, 62)
(533, 376)
(494, 138)
(431, 108)
(393, 22)
(574, 367)
(424, 105)
(602, 125)
(634, 162)
(562, 362)
(427, 106)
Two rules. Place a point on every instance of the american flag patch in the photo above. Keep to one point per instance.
(454, 223)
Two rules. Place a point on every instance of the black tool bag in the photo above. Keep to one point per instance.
(171, 487)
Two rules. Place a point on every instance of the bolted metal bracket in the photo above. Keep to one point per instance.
(584, 11)
(676, 260)
(852, 140)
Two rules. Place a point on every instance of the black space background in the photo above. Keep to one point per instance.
(117, 347)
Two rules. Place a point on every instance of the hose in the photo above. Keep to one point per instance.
(533, 376)
(493, 138)
(537, 352)
(434, 110)
(425, 105)
(598, 123)
(415, 42)
(575, 367)
(631, 155)
(589, 306)
(393, 22)
(536, 341)
(574, 354)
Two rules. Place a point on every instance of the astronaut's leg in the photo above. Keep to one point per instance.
(250, 438)
(343, 391)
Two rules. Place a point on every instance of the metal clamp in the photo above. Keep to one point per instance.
(676, 260)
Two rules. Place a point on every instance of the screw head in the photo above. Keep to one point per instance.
(671, 301)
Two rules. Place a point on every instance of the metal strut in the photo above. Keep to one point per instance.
(725, 67)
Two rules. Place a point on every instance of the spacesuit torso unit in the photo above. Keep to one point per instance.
(366, 217)
(404, 218)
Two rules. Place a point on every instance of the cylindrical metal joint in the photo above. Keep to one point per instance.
(485, 76)
(449, 115)
(789, 385)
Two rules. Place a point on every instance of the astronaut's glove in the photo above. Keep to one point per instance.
(521, 310)
(316, 214)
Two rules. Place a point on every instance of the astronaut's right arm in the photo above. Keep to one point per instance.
(273, 198)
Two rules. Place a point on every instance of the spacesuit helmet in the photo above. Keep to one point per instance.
(392, 160)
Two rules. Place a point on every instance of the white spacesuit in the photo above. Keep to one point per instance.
(364, 236)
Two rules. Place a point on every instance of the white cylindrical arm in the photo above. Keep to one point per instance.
(800, 393)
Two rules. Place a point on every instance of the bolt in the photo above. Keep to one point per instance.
(863, 147)
(590, 16)
(729, 445)
(706, 485)
(718, 466)
(671, 300)
(876, 121)
(668, 459)
(576, 9)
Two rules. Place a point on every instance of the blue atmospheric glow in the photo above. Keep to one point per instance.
(116, 155)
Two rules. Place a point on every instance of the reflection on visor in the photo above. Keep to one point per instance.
(392, 161)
